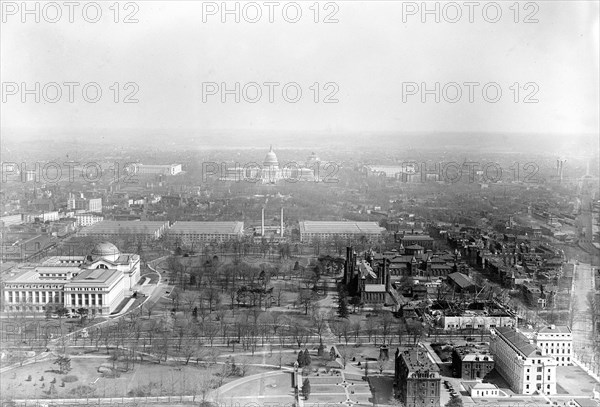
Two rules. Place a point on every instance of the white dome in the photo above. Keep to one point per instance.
(271, 159)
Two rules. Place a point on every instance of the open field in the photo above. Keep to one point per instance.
(146, 379)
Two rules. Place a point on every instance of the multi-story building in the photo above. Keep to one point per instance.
(10, 220)
(98, 282)
(156, 169)
(477, 320)
(88, 205)
(470, 363)
(199, 232)
(325, 230)
(88, 219)
(417, 379)
(427, 242)
(524, 367)
(556, 341)
(144, 230)
(50, 216)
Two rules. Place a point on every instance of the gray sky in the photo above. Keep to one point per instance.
(369, 54)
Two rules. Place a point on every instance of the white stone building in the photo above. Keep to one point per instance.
(98, 282)
(524, 367)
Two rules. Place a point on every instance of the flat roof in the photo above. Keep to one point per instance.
(417, 237)
(32, 275)
(114, 227)
(350, 227)
(375, 288)
(559, 329)
(208, 227)
(97, 276)
(477, 357)
(63, 261)
(418, 360)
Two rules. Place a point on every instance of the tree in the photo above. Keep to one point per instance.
(332, 354)
(83, 312)
(306, 388)
(455, 401)
(305, 297)
(301, 359)
(355, 301)
(307, 359)
(343, 307)
(574, 311)
(319, 323)
(64, 364)
(344, 355)
(61, 312)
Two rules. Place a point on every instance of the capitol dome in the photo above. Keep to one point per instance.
(271, 159)
(106, 251)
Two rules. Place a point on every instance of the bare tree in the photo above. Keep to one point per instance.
(319, 321)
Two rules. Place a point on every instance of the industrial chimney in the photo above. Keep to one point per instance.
(262, 222)
(281, 226)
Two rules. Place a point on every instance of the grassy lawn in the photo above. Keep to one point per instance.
(147, 379)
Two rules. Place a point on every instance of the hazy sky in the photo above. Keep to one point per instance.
(369, 53)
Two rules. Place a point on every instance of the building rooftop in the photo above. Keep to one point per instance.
(340, 227)
(124, 227)
(519, 341)
(477, 357)
(33, 275)
(375, 288)
(417, 237)
(208, 227)
(463, 281)
(97, 276)
(557, 329)
(62, 261)
(418, 361)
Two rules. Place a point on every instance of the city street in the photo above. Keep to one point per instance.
(583, 284)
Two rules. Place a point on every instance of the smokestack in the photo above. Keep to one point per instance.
(281, 227)
(262, 222)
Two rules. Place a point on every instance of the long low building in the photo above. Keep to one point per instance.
(156, 169)
(326, 230)
(197, 232)
(109, 229)
(476, 321)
